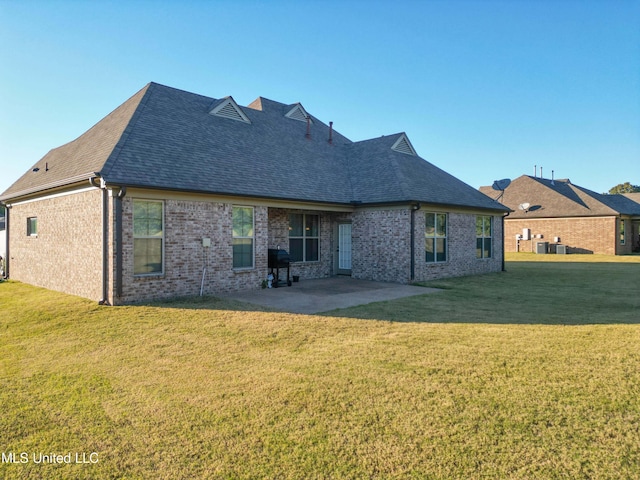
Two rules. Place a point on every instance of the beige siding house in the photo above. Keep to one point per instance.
(177, 194)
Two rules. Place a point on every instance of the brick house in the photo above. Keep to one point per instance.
(561, 213)
(176, 194)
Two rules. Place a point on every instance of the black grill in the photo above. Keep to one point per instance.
(279, 259)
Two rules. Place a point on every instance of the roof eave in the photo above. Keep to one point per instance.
(128, 185)
(479, 208)
(49, 186)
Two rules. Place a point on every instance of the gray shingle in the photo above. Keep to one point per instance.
(166, 138)
(560, 198)
(82, 156)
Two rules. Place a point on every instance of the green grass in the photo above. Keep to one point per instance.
(535, 289)
(572, 258)
(531, 373)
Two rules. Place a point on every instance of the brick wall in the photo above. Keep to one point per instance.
(66, 255)
(382, 245)
(279, 235)
(186, 224)
(461, 248)
(580, 234)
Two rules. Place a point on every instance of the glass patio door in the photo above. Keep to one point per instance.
(344, 249)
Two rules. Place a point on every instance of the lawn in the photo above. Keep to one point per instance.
(530, 373)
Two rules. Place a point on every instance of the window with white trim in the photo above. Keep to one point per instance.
(304, 237)
(148, 237)
(243, 237)
(435, 237)
(484, 236)
(623, 237)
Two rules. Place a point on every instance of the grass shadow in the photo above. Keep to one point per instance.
(208, 302)
(545, 293)
(527, 293)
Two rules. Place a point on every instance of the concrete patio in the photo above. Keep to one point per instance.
(325, 294)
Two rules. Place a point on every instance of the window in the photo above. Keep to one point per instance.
(435, 233)
(304, 237)
(32, 226)
(242, 237)
(483, 236)
(622, 232)
(148, 237)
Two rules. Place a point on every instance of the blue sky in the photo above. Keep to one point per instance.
(484, 89)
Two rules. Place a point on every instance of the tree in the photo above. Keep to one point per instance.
(625, 188)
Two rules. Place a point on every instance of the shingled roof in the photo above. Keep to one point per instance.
(633, 196)
(559, 198)
(165, 138)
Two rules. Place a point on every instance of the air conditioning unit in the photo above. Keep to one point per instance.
(561, 249)
(542, 247)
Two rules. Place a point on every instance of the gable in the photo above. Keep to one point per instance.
(298, 113)
(256, 104)
(228, 108)
(403, 145)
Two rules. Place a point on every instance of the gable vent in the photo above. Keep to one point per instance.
(298, 113)
(228, 108)
(403, 145)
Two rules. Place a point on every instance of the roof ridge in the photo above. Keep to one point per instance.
(380, 138)
(88, 153)
(545, 183)
(112, 159)
(594, 195)
(350, 169)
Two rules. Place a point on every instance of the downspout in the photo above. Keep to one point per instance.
(7, 236)
(414, 208)
(504, 269)
(105, 240)
(118, 245)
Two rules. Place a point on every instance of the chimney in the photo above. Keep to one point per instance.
(330, 132)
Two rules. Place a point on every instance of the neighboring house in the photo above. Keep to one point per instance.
(174, 194)
(633, 196)
(559, 212)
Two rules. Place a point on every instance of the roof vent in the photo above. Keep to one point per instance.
(228, 108)
(298, 113)
(403, 145)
